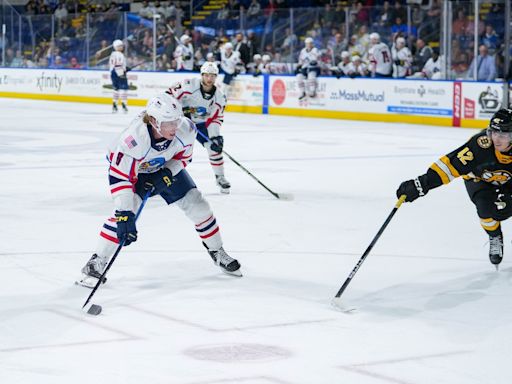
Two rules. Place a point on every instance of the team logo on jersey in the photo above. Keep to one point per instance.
(484, 142)
(498, 177)
(152, 165)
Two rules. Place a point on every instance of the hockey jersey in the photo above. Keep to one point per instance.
(379, 57)
(476, 160)
(308, 57)
(229, 63)
(117, 63)
(199, 106)
(184, 55)
(137, 151)
(402, 59)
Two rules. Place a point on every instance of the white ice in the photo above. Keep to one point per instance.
(430, 306)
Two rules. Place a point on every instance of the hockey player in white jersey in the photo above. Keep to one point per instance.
(342, 69)
(357, 68)
(433, 68)
(230, 65)
(118, 69)
(402, 59)
(184, 54)
(151, 155)
(379, 57)
(308, 69)
(204, 104)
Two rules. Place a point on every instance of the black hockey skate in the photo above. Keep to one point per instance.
(91, 272)
(125, 109)
(225, 262)
(222, 183)
(302, 96)
(496, 249)
(114, 108)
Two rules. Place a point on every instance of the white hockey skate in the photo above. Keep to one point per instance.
(91, 272)
(225, 262)
(223, 183)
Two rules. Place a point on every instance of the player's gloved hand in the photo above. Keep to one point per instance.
(187, 57)
(126, 230)
(128, 69)
(412, 189)
(159, 181)
(217, 143)
(397, 62)
(352, 74)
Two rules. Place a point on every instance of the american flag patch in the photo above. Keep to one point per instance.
(130, 142)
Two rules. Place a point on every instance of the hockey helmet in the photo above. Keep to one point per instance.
(501, 121)
(256, 57)
(164, 108)
(345, 54)
(184, 39)
(356, 58)
(209, 68)
(266, 58)
(117, 44)
(374, 37)
(228, 46)
(308, 40)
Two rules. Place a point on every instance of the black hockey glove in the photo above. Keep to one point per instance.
(217, 143)
(159, 181)
(126, 230)
(412, 189)
(187, 57)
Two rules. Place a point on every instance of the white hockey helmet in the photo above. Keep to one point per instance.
(308, 40)
(356, 58)
(209, 68)
(374, 37)
(400, 41)
(345, 54)
(117, 44)
(266, 58)
(256, 57)
(164, 108)
(184, 39)
(228, 46)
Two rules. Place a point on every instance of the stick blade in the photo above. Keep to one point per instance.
(338, 305)
(286, 196)
(93, 309)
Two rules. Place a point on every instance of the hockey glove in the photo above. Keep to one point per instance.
(217, 143)
(159, 181)
(126, 230)
(412, 189)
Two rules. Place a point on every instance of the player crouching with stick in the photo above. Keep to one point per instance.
(151, 154)
(485, 163)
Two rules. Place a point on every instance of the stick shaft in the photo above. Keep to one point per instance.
(372, 244)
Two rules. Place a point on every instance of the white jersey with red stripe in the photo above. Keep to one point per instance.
(117, 62)
(379, 57)
(200, 106)
(137, 151)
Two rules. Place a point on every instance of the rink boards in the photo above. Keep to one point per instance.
(449, 103)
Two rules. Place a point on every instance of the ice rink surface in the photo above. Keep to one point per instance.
(430, 307)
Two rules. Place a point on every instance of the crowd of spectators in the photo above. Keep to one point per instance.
(335, 26)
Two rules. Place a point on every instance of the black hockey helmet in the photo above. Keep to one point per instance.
(501, 121)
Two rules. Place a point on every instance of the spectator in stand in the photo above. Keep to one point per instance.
(362, 17)
(400, 11)
(490, 39)
(363, 37)
(423, 53)
(270, 8)
(30, 8)
(289, 43)
(329, 17)
(485, 66)
(61, 12)
(17, 61)
(385, 17)
(241, 47)
(338, 46)
(9, 57)
(399, 27)
(73, 63)
(460, 23)
(253, 43)
(160, 8)
(146, 11)
(254, 9)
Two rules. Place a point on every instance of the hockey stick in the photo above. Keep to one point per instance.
(281, 196)
(337, 299)
(94, 309)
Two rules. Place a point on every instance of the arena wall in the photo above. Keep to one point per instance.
(448, 103)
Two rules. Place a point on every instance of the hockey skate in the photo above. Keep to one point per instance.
(91, 272)
(302, 96)
(114, 108)
(222, 183)
(225, 262)
(496, 250)
(125, 109)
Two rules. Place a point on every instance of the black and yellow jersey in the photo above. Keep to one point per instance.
(477, 160)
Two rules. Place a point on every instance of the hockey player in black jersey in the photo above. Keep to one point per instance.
(485, 163)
